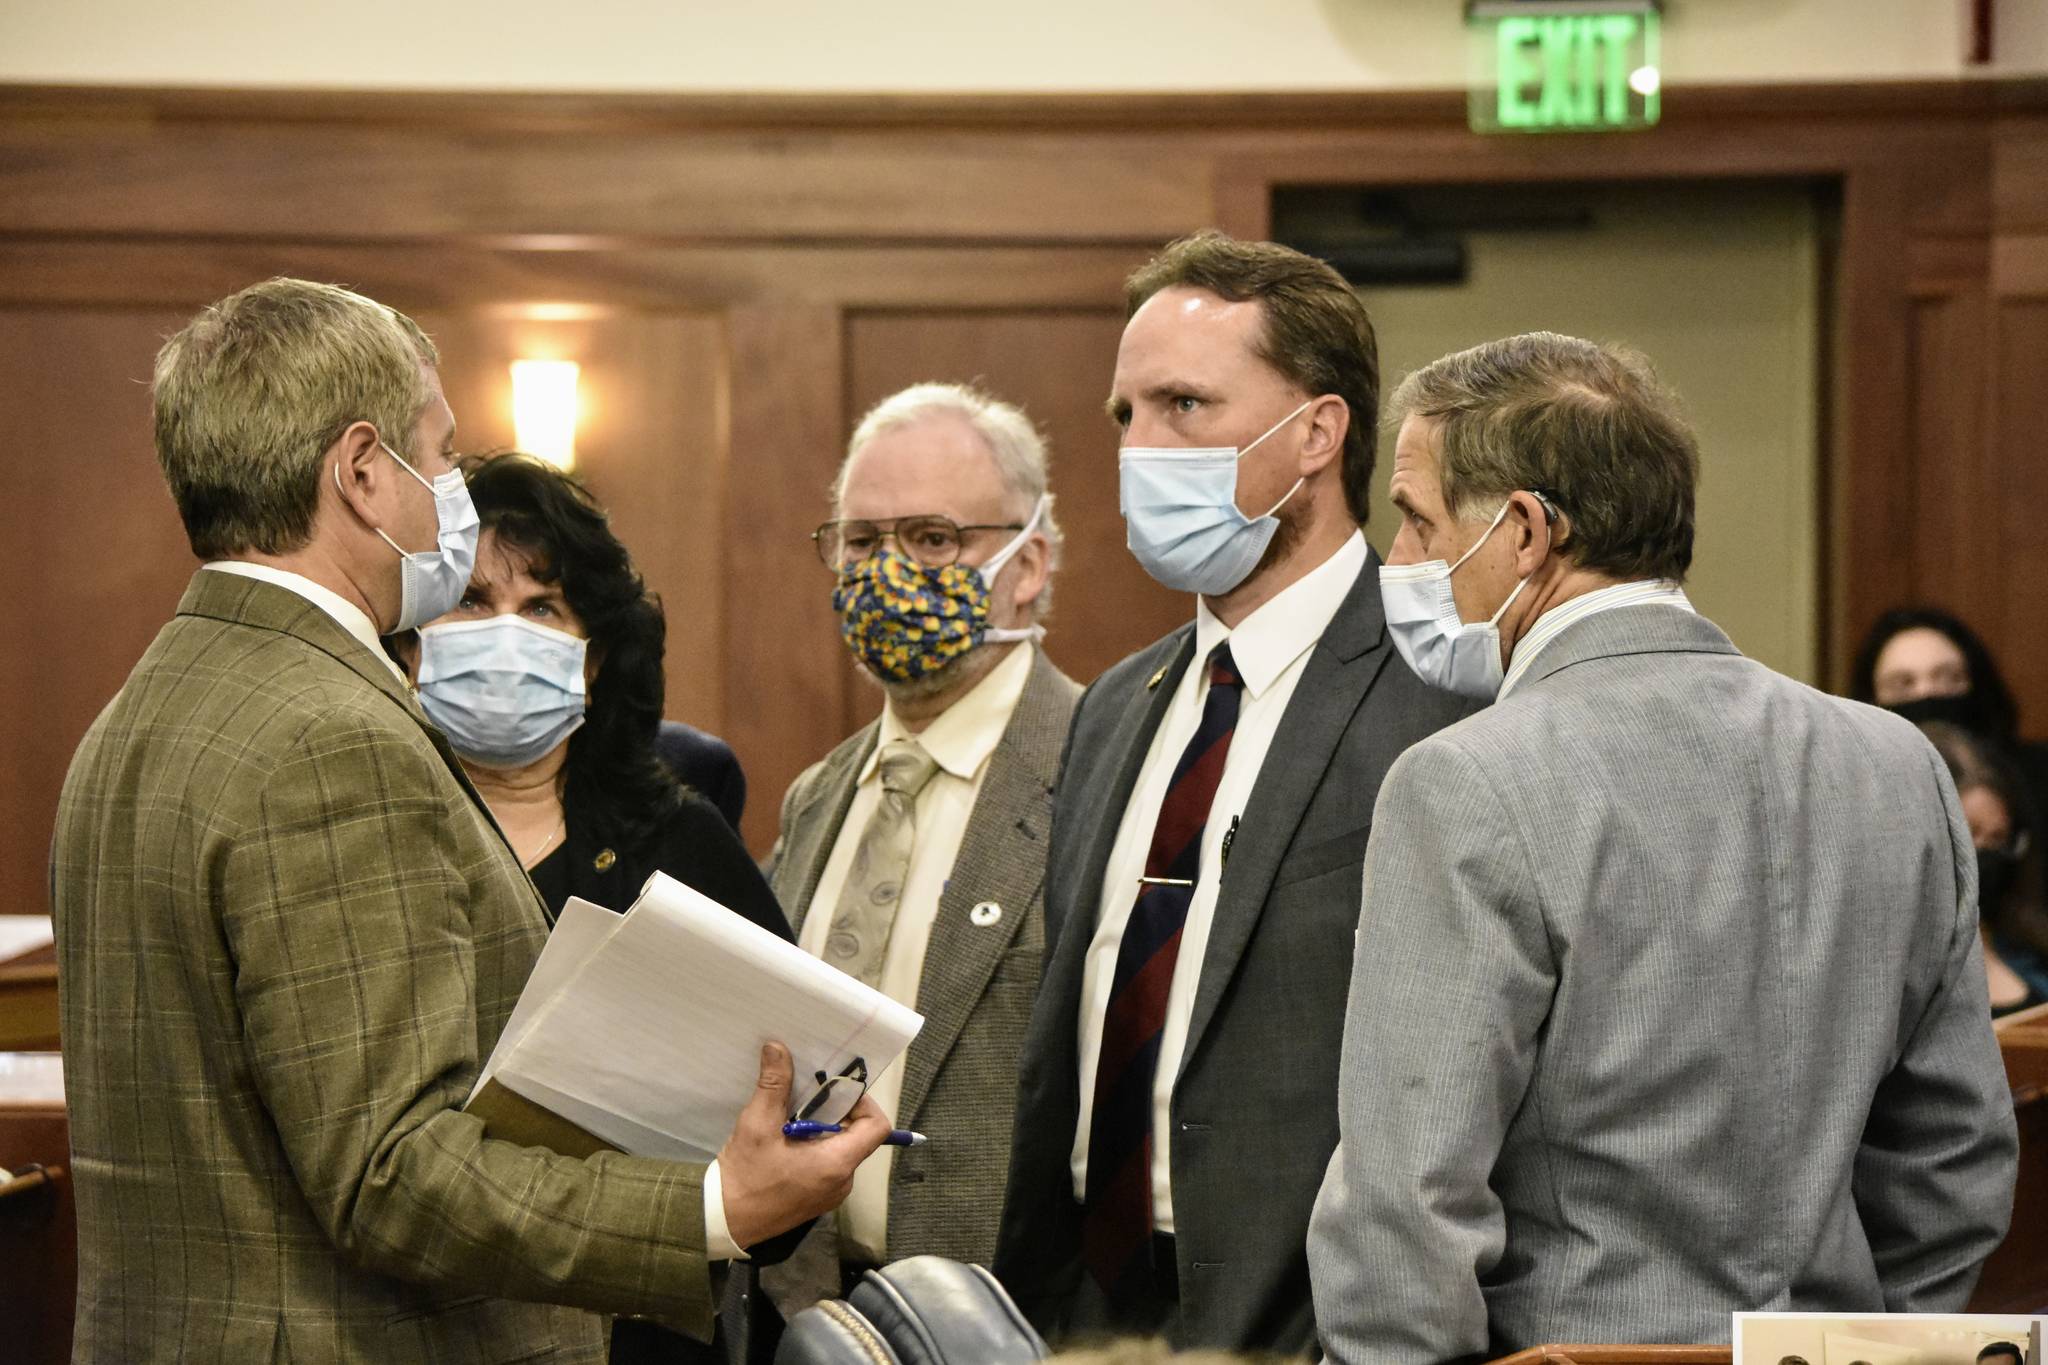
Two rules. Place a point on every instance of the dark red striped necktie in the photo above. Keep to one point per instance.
(1116, 1224)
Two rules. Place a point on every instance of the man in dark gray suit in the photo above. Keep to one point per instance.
(913, 855)
(1177, 1098)
(1668, 1000)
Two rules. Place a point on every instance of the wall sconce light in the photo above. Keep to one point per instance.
(544, 409)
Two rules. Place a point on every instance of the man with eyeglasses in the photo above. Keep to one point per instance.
(913, 855)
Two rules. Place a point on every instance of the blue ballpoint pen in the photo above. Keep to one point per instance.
(805, 1128)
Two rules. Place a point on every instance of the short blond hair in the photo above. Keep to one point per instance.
(254, 390)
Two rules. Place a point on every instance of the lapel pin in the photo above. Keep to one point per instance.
(1152, 684)
(604, 860)
(985, 914)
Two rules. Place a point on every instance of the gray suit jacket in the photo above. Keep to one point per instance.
(1254, 1105)
(1667, 1003)
(960, 1077)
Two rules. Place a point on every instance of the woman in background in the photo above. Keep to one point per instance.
(1920, 654)
(1926, 664)
(2010, 884)
(547, 679)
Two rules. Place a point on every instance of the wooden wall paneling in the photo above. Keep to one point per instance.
(2019, 264)
(787, 674)
(2019, 161)
(1057, 365)
(1871, 459)
(589, 272)
(94, 558)
(406, 181)
(2011, 513)
(1947, 496)
(650, 445)
(2016, 448)
(656, 456)
(787, 212)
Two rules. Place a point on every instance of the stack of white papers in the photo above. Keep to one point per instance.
(645, 1029)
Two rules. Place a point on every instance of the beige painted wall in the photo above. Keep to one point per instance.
(930, 45)
(1719, 288)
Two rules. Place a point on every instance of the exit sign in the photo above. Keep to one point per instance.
(1563, 66)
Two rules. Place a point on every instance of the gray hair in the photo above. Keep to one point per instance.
(251, 394)
(1591, 428)
(1013, 441)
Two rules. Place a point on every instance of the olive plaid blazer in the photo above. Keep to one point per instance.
(288, 934)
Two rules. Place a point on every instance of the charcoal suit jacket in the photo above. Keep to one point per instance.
(1254, 1103)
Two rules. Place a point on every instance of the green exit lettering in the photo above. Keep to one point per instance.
(1572, 71)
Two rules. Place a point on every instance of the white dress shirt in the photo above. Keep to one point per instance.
(960, 740)
(346, 614)
(1271, 648)
(718, 1243)
(1648, 591)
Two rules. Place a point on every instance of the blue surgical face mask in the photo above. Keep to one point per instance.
(1181, 514)
(432, 581)
(1442, 647)
(504, 690)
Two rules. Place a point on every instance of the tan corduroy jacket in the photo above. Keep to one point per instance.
(288, 936)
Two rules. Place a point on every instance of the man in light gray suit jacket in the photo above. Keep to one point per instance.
(943, 515)
(1667, 999)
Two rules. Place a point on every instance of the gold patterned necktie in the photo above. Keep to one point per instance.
(859, 940)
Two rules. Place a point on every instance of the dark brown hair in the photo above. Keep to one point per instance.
(1316, 332)
(615, 782)
(1590, 427)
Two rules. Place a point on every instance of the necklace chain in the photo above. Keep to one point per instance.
(548, 842)
(543, 845)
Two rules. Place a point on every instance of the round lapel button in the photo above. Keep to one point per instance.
(985, 914)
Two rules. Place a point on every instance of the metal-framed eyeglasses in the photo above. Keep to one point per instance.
(932, 541)
(835, 1096)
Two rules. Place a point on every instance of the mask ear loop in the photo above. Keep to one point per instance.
(1549, 516)
(1275, 427)
(993, 565)
(378, 530)
(1491, 527)
(1268, 432)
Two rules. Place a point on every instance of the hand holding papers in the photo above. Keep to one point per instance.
(644, 1031)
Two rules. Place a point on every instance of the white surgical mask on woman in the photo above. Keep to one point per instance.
(1181, 514)
(1443, 648)
(504, 690)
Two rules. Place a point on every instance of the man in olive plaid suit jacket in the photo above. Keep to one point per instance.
(289, 933)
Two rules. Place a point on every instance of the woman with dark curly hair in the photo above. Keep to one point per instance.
(547, 679)
(1918, 654)
(1927, 665)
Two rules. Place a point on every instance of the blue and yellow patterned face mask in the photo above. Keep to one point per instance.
(906, 621)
